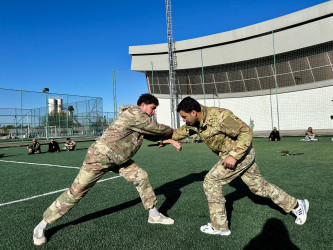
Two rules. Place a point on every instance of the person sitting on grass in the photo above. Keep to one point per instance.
(274, 135)
(310, 135)
(54, 146)
(231, 139)
(70, 145)
(34, 147)
(113, 151)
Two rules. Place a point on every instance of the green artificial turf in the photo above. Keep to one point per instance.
(111, 216)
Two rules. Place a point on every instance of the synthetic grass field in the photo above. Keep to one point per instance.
(111, 216)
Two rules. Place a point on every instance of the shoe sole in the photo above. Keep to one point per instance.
(155, 222)
(39, 244)
(221, 234)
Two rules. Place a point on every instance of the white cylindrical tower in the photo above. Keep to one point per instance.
(52, 106)
(59, 107)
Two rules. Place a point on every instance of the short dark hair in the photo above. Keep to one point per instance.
(147, 99)
(188, 104)
(68, 139)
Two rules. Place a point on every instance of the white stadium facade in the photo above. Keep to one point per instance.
(278, 73)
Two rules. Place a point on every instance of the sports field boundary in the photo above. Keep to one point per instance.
(49, 193)
(41, 164)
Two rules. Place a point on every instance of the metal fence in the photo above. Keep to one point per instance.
(29, 114)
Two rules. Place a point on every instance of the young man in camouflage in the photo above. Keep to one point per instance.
(231, 139)
(34, 147)
(113, 152)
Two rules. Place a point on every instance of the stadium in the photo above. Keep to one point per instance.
(278, 73)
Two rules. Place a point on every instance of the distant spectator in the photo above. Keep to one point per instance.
(274, 135)
(54, 146)
(70, 145)
(310, 135)
(34, 147)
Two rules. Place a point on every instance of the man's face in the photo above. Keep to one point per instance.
(189, 118)
(150, 109)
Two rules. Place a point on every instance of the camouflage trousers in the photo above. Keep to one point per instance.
(248, 170)
(94, 167)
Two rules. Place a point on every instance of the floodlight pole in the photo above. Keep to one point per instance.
(175, 123)
(46, 90)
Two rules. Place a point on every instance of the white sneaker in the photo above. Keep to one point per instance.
(301, 211)
(208, 229)
(38, 237)
(160, 219)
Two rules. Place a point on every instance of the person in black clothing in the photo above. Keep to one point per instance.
(274, 135)
(54, 146)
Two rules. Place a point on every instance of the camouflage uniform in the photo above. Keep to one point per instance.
(113, 152)
(70, 146)
(225, 134)
(35, 148)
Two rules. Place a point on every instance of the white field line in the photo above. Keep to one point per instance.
(49, 193)
(41, 164)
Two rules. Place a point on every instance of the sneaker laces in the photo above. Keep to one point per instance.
(298, 211)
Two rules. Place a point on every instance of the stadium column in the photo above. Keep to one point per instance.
(203, 79)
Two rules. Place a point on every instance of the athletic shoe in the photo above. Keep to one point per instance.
(160, 219)
(208, 229)
(301, 211)
(38, 237)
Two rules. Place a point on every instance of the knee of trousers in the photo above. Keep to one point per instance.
(212, 190)
(141, 178)
(258, 187)
(208, 182)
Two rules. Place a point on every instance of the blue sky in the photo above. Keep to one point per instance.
(72, 46)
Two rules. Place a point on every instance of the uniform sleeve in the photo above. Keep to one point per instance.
(148, 126)
(235, 128)
(181, 133)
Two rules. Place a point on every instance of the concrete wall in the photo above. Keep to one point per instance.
(297, 110)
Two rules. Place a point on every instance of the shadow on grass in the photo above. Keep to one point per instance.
(170, 190)
(6, 155)
(274, 236)
(242, 191)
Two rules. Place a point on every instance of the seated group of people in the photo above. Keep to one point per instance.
(309, 135)
(35, 147)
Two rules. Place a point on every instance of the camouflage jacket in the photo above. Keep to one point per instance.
(223, 132)
(123, 138)
(34, 147)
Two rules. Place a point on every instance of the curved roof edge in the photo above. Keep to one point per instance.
(289, 89)
(299, 17)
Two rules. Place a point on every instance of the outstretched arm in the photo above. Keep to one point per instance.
(174, 143)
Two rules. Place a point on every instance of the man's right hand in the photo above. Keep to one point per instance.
(174, 143)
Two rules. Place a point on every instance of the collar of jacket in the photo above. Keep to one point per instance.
(203, 117)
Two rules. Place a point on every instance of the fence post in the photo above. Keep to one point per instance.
(276, 86)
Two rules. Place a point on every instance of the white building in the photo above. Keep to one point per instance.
(276, 73)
